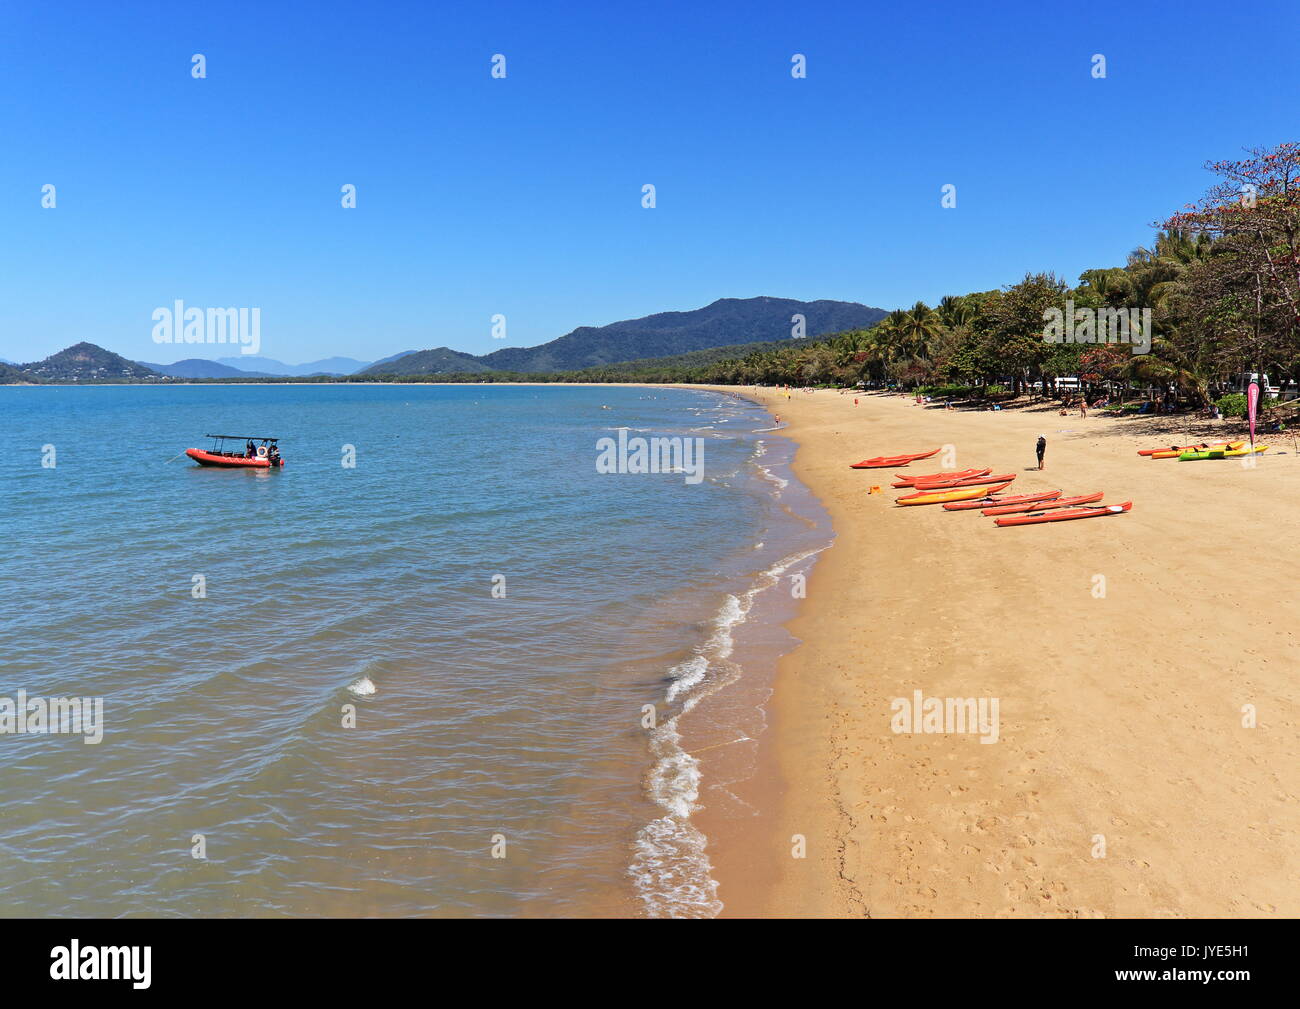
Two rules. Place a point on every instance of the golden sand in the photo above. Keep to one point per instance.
(1123, 782)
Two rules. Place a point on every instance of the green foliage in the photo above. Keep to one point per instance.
(1234, 404)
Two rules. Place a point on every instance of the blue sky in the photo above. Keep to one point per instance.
(478, 196)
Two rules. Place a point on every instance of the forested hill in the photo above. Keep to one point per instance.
(726, 322)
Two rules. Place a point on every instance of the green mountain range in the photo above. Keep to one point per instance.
(439, 361)
(726, 322)
(728, 328)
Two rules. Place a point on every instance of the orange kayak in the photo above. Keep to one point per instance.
(1011, 499)
(940, 496)
(890, 461)
(1066, 516)
(961, 474)
(1172, 448)
(1060, 502)
(970, 481)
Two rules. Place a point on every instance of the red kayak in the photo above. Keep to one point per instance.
(970, 481)
(889, 461)
(961, 474)
(1003, 499)
(1171, 448)
(1060, 502)
(231, 460)
(1066, 516)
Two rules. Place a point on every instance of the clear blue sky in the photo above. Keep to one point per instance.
(522, 196)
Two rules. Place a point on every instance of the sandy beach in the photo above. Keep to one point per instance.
(1127, 656)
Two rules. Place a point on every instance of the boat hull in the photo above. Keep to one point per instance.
(1056, 502)
(990, 502)
(974, 481)
(912, 481)
(1066, 516)
(230, 461)
(888, 461)
(939, 497)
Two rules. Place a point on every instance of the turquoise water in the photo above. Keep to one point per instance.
(484, 726)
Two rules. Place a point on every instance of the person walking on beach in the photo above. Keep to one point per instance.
(1042, 448)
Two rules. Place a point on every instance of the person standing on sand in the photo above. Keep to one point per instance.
(1042, 448)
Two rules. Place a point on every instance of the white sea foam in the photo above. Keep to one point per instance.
(672, 873)
(670, 867)
(363, 687)
(685, 675)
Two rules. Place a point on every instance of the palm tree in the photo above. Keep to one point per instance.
(919, 327)
(955, 312)
(1166, 365)
(1113, 287)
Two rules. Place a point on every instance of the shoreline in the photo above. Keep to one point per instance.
(1123, 783)
(1121, 714)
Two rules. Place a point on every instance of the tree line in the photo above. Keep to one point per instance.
(1220, 285)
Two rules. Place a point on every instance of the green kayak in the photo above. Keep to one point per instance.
(1211, 453)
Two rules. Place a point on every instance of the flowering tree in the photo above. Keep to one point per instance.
(1249, 287)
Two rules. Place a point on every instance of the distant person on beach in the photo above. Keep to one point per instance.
(1041, 448)
(1083, 407)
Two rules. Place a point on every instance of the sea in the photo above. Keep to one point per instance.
(443, 663)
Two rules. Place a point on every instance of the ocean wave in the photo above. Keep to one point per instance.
(686, 675)
(672, 873)
(670, 869)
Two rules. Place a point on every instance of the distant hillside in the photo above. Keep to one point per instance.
(270, 366)
(712, 355)
(84, 362)
(726, 322)
(9, 375)
(439, 361)
(389, 359)
(198, 367)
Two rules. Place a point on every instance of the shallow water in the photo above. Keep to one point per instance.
(484, 726)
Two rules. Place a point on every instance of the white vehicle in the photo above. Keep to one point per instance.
(1241, 382)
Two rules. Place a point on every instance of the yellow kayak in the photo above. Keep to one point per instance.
(1245, 451)
(1174, 454)
(939, 497)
